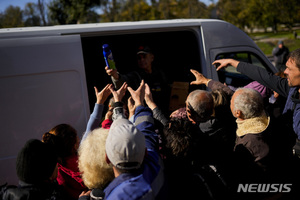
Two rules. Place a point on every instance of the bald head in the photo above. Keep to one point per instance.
(199, 105)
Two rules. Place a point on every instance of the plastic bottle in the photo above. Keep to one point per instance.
(108, 57)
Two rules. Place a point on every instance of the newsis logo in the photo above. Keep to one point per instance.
(264, 187)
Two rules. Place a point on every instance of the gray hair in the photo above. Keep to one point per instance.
(202, 103)
(249, 102)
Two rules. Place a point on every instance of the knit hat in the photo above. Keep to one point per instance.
(36, 162)
(125, 145)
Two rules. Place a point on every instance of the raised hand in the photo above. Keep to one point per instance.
(131, 107)
(103, 94)
(222, 63)
(148, 97)
(200, 79)
(120, 93)
(112, 72)
(138, 95)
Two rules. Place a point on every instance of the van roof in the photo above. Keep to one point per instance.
(217, 33)
(107, 25)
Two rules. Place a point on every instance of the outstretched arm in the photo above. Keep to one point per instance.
(96, 116)
(157, 113)
(213, 85)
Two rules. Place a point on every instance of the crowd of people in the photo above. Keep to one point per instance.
(221, 139)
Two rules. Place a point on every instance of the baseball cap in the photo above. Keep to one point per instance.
(125, 144)
(143, 49)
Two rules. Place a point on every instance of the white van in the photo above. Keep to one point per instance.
(47, 74)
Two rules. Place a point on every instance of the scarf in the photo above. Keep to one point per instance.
(252, 126)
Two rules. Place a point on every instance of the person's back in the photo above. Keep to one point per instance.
(64, 138)
(137, 175)
(45, 191)
(37, 170)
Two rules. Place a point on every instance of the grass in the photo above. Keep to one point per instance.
(267, 45)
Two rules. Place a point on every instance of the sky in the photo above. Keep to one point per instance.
(21, 3)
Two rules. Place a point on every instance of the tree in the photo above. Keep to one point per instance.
(111, 10)
(192, 9)
(71, 11)
(12, 17)
(41, 8)
(31, 15)
(136, 10)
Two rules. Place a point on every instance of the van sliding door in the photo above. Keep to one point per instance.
(42, 84)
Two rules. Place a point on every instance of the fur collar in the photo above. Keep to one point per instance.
(252, 126)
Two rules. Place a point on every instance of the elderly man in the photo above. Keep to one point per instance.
(199, 106)
(252, 122)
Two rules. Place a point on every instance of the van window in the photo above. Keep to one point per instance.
(230, 75)
(175, 52)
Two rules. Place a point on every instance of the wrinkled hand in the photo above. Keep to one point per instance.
(222, 63)
(112, 72)
(138, 95)
(103, 94)
(200, 79)
(118, 95)
(148, 97)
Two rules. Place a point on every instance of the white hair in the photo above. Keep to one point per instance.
(96, 173)
(249, 102)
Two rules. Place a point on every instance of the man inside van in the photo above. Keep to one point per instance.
(288, 87)
(152, 75)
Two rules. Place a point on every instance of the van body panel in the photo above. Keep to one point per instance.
(43, 84)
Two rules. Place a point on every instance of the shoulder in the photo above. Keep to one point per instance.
(134, 188)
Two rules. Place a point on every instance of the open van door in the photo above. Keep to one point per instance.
(42, 84)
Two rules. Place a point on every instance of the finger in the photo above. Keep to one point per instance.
(194, 71)
(106, 68)
(106, 87)
(130, 90)
(111, 88)
(142, 84)
(147, 88)
(124, 86)
(216, 62)
(193, 83)
(96, 90)
(220, 67)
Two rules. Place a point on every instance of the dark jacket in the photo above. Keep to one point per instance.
(291, 113)
(280, 57)
(32, 192)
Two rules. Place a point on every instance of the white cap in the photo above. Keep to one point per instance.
(125, 144)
